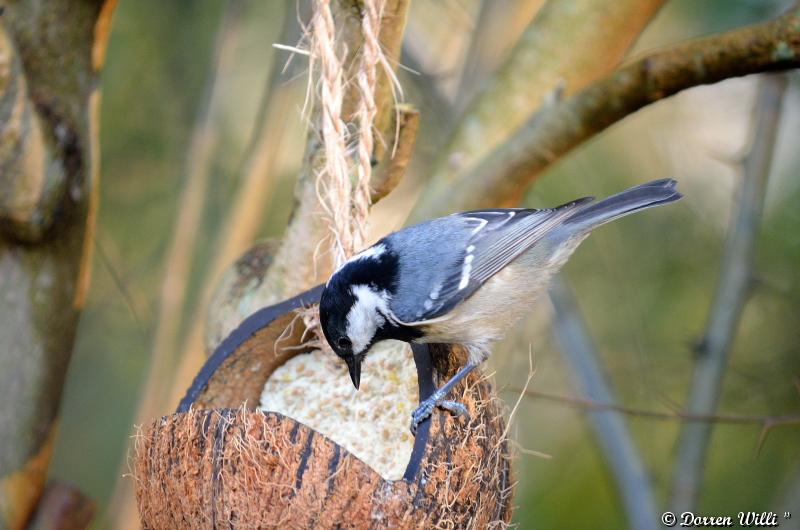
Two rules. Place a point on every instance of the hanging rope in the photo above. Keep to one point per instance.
(370, 57)
(333, 181)
(346, 202)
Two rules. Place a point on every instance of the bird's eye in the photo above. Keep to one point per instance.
(344, 343)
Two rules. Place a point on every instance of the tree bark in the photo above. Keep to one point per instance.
(50, 58)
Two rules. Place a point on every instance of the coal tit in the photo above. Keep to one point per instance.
(461, 279)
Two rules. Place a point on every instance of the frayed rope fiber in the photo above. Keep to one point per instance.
(346, 201)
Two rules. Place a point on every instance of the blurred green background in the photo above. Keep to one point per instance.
(644, 284)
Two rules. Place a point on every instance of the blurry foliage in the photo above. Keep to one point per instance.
(644, 284)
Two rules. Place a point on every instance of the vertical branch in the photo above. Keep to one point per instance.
(730, 296)
(184, 235)
(610, 427)
(50, 61)
(32, 179)
(257, 181)
(62, 507)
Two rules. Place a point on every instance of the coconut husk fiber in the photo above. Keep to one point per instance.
(218, 462)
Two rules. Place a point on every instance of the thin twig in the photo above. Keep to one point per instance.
(731, 294)
(609, 426)
(503, 175)
(672, 415)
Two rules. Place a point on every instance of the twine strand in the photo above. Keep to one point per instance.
(334, 178)
(343, 179)
(367, 80)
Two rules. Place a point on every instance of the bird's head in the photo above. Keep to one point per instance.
(354, 308)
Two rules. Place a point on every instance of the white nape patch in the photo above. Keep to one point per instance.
(373, 252)
(366, 316)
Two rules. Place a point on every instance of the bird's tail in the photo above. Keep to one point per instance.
(647, 195)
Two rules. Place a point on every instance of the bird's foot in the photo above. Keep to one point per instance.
(425, 409)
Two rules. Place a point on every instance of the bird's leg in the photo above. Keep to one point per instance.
(425, 409)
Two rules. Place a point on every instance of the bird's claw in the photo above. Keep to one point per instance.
(455, 408)
(425, 409)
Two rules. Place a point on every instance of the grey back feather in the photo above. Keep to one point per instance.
(453, 256)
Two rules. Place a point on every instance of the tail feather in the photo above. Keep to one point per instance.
(654, 193)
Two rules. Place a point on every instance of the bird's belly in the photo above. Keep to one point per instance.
(500, 302)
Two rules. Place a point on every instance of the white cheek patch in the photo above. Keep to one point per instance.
(366, 316)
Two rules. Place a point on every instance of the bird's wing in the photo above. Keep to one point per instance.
(497, 237)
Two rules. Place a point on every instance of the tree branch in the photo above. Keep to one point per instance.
(32, 178)
(764, 421)
(557, 52)
(731, 293)
(499, 25)
(50, 60)
(390, 170)
(503, 175)
(257, 181)
(62, 507)
(608, 425)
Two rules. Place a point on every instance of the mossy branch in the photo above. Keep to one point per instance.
(502, 177)
(32, 177)
(49, 106)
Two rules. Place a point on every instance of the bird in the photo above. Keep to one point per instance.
(462, 279)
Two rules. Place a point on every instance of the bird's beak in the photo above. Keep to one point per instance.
(354, 366)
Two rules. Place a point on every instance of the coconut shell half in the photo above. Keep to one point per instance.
(219, 463)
